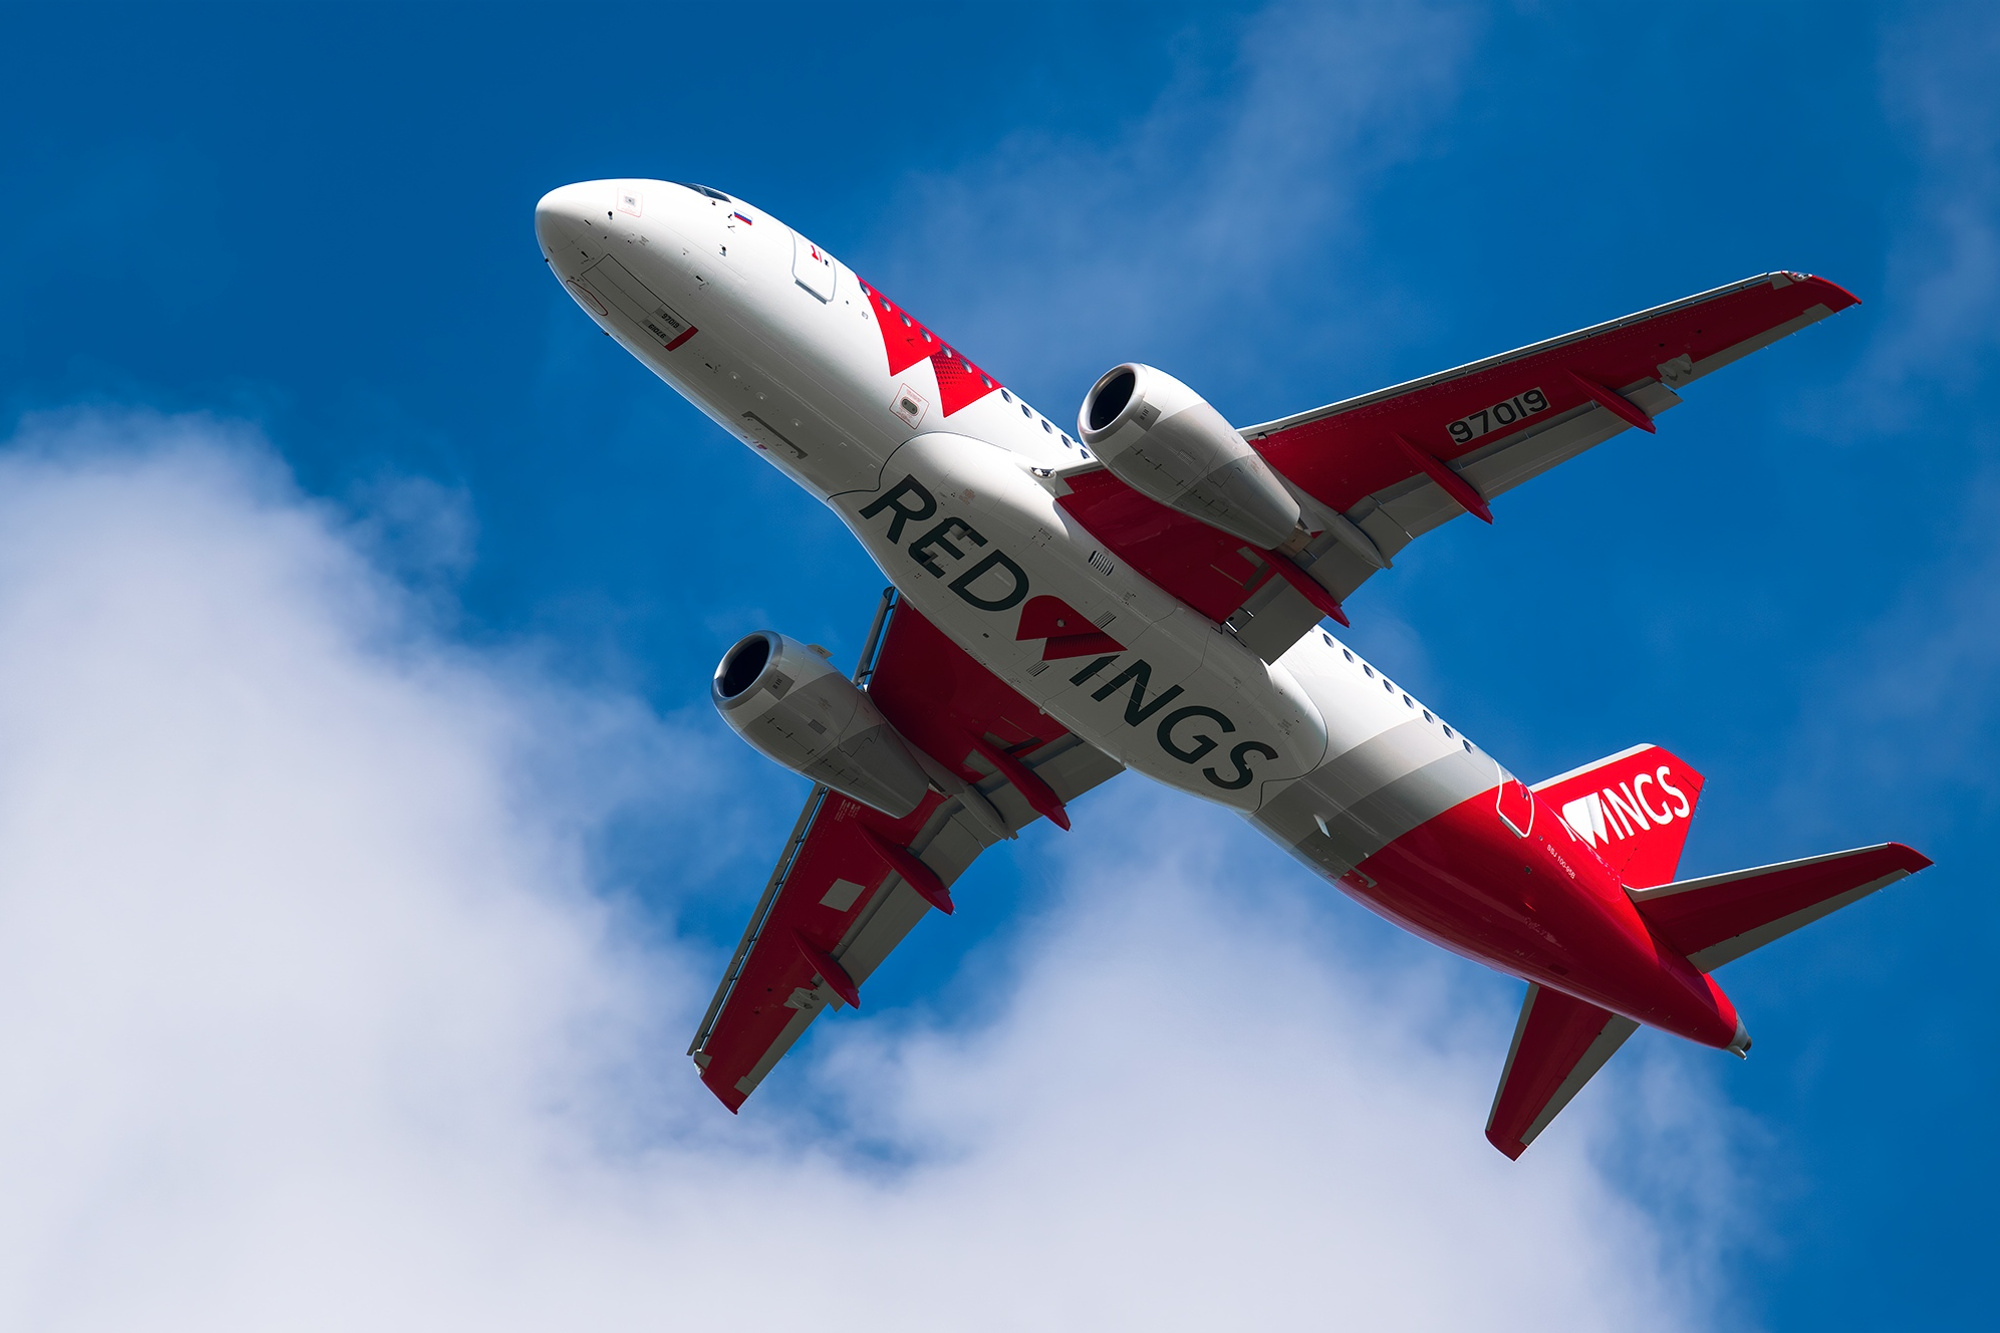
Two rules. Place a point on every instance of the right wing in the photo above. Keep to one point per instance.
(1385, 468)
(852, 882)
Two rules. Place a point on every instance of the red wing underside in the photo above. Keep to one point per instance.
(1719, 918)
(837, 904)
(1489, 426)
(1558, 1044)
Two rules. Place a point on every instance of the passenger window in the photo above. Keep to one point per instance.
(1428, 717)
(1006, 397)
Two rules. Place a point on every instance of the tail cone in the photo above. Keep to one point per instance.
(1740, 1043)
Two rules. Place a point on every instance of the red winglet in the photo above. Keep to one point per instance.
(914, 872)
(1042, 798)
(1457, 487)
(1313, 590)
(830, 971)
(1616, 403)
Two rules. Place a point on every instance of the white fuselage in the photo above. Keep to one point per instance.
(784, 347)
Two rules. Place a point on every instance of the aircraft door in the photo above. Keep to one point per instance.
(1516, 805)
(812, 267)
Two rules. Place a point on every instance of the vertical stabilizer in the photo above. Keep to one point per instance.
(1632, 809)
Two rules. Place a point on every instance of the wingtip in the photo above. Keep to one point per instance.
(1845, 297)
(1511, 1149)
(731, 1099)
(1913, 860)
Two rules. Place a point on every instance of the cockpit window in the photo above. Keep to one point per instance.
(703, 189)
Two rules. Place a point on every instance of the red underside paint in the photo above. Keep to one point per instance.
(1041, 797)
(1205, 567)
(1692, 921)
(829, 970)
(1323, 601)
(1457, 487)
(1341, 458)
(1617, 403)
(1068, 633)
(960, 383)
(914, 872)
(1094, 644)
(1543, 908)
(938, 697)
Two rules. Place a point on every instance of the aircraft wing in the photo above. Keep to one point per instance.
(852, 882)
(1378, 471)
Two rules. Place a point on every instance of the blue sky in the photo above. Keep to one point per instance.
(275, 265)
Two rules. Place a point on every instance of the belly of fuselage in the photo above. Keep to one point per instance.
(1528, 900)
(1327, 756)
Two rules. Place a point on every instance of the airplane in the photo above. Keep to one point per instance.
(1152, 593)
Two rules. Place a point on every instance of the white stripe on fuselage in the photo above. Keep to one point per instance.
(804, 380)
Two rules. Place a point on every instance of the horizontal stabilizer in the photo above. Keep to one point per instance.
(1719, 918)
(1631, 808)
(1558, 1044)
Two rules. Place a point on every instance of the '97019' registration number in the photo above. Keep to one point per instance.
(1489, 419)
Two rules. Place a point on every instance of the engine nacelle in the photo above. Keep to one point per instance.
(1163, 439)
(790, 703)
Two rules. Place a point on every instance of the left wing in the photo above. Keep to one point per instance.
(852, 882)
(1376, 472)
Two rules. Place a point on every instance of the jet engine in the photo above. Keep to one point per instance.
(789, 702)
(1162, 439)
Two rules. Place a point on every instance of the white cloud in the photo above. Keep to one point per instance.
(316, 1013)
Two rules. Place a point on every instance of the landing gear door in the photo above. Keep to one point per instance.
(812, 267)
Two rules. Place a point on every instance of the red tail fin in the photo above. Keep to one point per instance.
(1633, 808)
(1719, 918)
(1558, 1044)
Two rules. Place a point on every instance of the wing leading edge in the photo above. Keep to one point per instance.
(1378, 471)
(852, 882)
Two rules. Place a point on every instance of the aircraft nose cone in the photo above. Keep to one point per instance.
(565, 213)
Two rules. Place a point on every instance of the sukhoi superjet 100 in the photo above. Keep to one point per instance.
(1151, 588)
